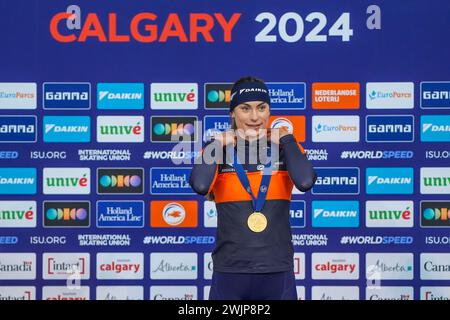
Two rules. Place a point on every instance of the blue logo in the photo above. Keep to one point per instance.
(16, 129)
(170, 181)
(435, 128)
(67, 96)
(435, 95)
(67, 129)
(390, 128)
(18, 181)
(389, 180)
(285, 96)
(120, 214)
(297, 213)
(120, 96)
(335, 214)
(336, 181)
(8, 155)
(213, 125)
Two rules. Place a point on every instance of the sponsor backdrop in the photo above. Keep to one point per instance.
(94, 96)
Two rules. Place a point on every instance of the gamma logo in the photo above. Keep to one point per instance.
(66, 96)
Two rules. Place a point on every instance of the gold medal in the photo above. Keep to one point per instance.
(257, 222)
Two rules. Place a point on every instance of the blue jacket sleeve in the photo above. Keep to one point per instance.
(299, 167)
(203, 174)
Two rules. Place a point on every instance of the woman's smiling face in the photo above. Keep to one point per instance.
(251, 116)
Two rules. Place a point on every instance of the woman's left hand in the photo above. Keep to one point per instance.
(275, 134)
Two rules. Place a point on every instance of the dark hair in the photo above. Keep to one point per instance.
(238, 82)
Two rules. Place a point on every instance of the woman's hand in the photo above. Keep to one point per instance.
(275, 134)
(226, 137)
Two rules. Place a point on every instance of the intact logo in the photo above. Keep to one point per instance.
(174, 265)
(120, 214)
(17, 95)
(390, 266)
(173, 214)
(120, 181)
(120, 129)
(18, 180)
(173, 129)
(435, 128)
(435, 214)
(335, 266)
(335, 95)
(17, 293)
(18, 266)
(390, 180)
(18, 129)
(287, 95)
(120, 265)
(435, 180)
(67, 180)
(120, 96)
(213, 125)
(17, 214)
(435, 293)
(335, 128)
(390, 128)
(336, 181)
(435, 95)
(170, 181)
(66, 129)
(299, 266)
(217, 95)
(389, 214)
(297, 213)
(74, 214)
(60, 266)
(66, 96)
(296, 125)
(174, 96)
(390, 95)
(335, 214)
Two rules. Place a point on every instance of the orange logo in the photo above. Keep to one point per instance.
(335, 95)
(295, 124)
(173, 214)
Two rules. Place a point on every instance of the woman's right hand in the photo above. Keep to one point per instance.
(226, 137)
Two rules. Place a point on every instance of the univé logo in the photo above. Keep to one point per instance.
(120, 129)
(169, 214)
(120, 180)
(174, 96)
(17, 214)
(67, 180)
(66, 213)
(172, 129)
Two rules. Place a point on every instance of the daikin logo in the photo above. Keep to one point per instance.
(120, 96)
(57, 129)
(435, 128)
(389, 180)
(18, 180)
(67, 129)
